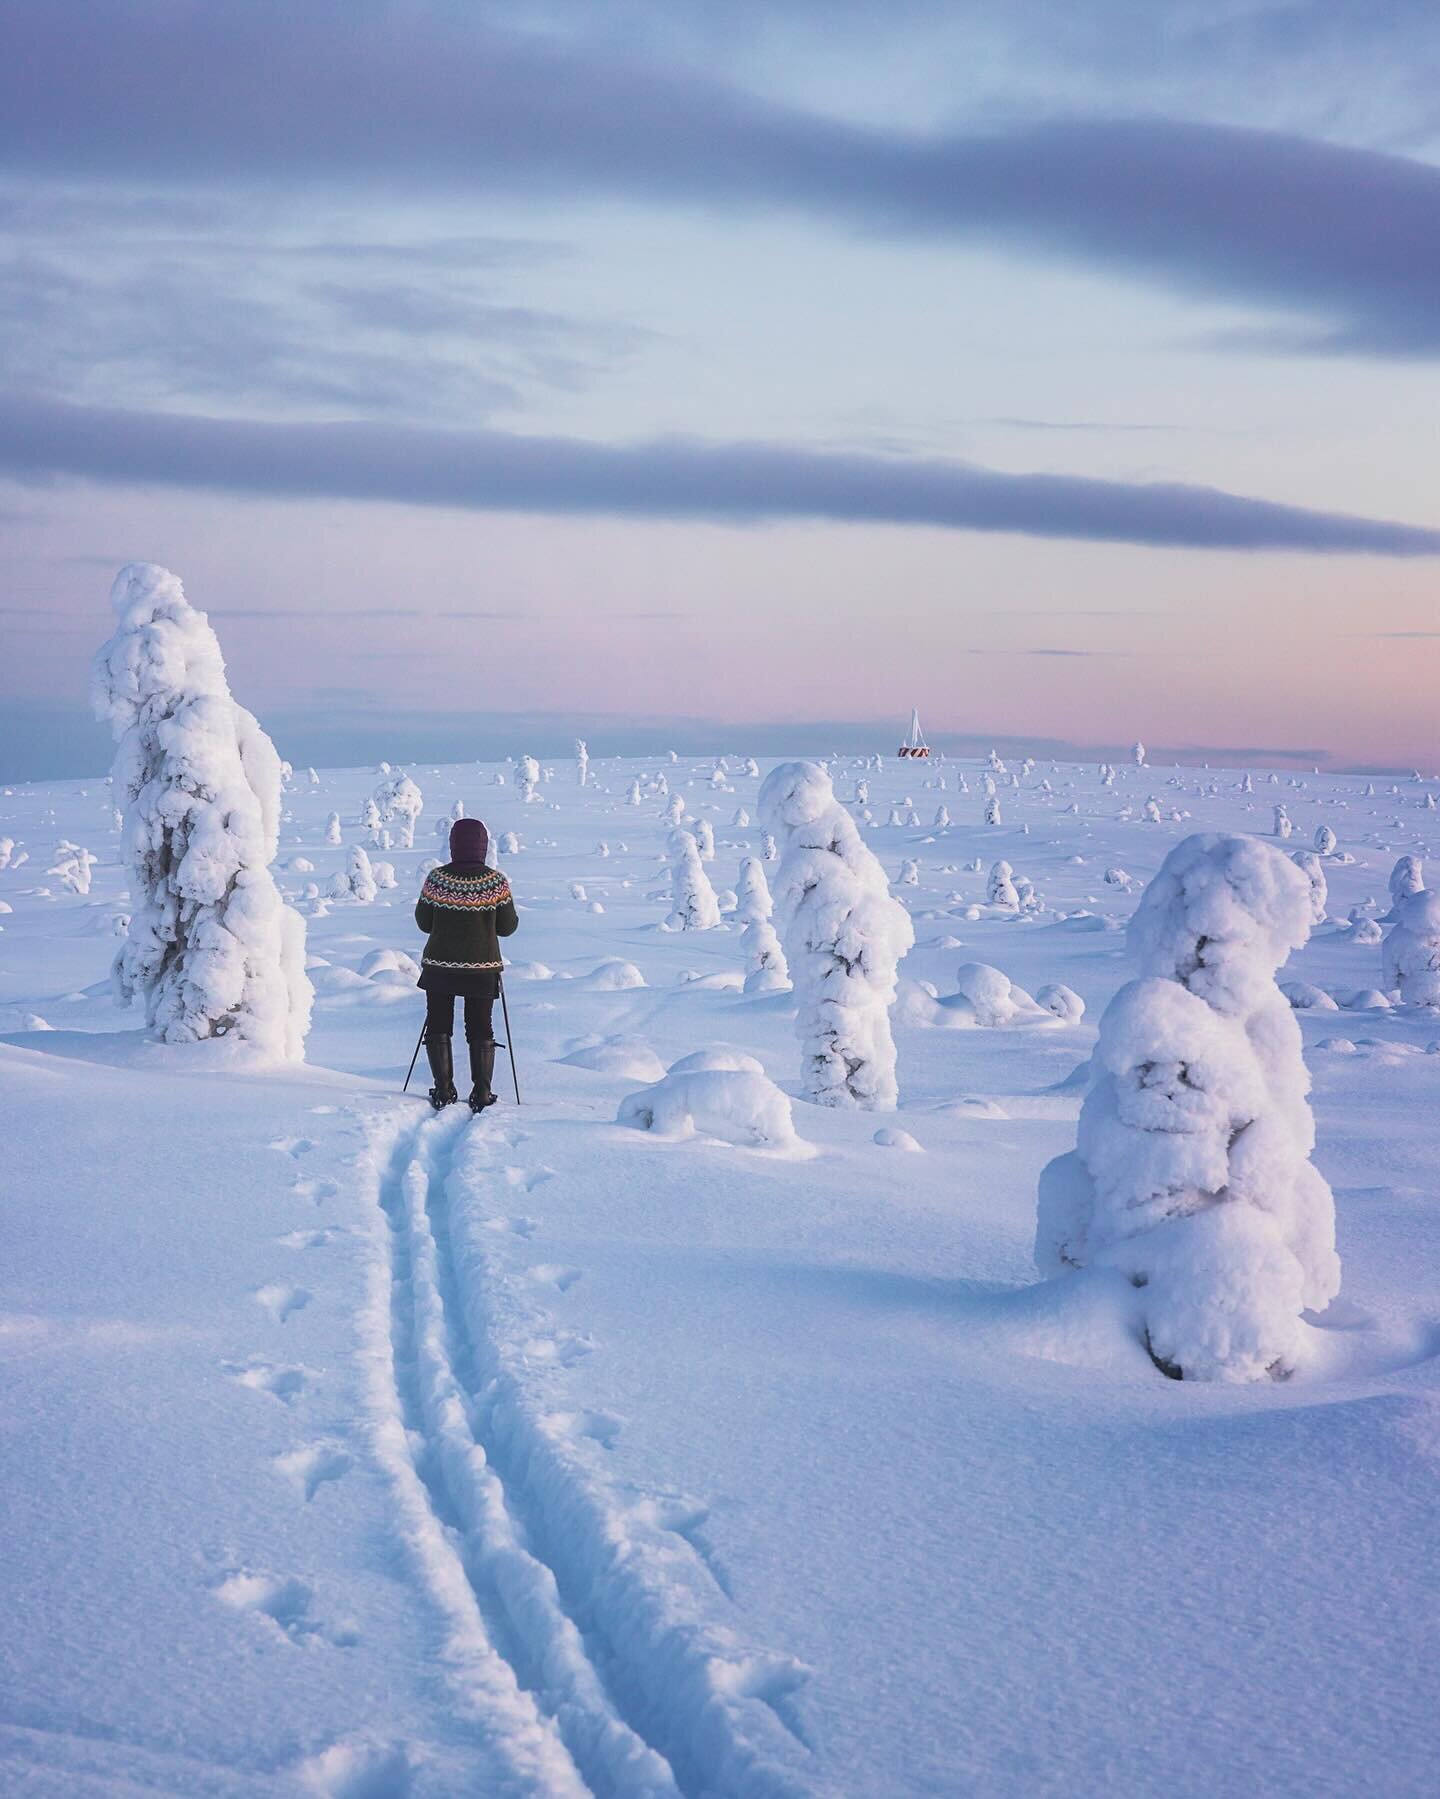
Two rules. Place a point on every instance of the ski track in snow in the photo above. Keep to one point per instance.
(581, 1631)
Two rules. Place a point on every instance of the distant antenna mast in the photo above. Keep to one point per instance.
(914, 744)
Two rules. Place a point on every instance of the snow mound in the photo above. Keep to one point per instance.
(393, 964)
(732, 1104)
(611, 976)
(717, 1061)
(890, 1137)
(624, 1056)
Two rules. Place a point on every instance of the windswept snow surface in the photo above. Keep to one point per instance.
(351, 1450)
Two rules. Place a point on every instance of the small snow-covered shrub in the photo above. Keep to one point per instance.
(527, 778)
(612, 976)
(211, 946)
(1367, 931)
(992, 811)
(73, 866)
(1000, 888)
(693, 906)
(1064, 1002)
(1191, 1174)
(1324, 841)
(736, 1105)
(332, 828)
(509, 843)
(844, 936)
(993, 997)
(357, 880)
(909, 875)
(1412, 950)
(1283, 826)
(1301, 996)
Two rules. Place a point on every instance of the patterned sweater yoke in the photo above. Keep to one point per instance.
(464, 915)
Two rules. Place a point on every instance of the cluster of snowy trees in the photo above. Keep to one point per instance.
(211, 948)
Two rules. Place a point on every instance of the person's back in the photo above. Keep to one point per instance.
(464, 908)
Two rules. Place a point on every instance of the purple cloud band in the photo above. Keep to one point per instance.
(496, 471)
(175, 91)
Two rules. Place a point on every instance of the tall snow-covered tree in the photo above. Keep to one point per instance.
(844, 935)
(211, 947)
(693, 905)
(1191, 1173)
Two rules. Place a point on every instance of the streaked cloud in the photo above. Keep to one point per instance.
(737, 483)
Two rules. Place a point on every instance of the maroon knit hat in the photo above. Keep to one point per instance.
(469, 842)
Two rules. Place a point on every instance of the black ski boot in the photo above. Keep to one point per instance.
(442, 1066)
(482, 1072)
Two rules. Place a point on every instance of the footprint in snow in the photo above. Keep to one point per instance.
(526, 1180)
(359, 1767)
(317, 1190)
(564, 1348)
(520, 1227)
(599, 1427)
(292, 1146)
(280, 1299)
(312, 1239)
(312, 1464)
(552, 1275)
(286, 1603)
(285, 1380)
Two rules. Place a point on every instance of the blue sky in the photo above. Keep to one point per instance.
(1070, 372)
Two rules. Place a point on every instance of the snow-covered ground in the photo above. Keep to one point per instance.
(354, 1450)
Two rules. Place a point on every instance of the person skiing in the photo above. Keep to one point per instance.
(464, 908)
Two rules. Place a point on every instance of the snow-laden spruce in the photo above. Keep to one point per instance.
(1411, 955)
(765, 967)
(1192, 1173)
(211, 946)
(844, 935)
(693, 906)
(398, 803)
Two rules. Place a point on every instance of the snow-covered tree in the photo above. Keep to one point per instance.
(1138, 753)
(398, 803)
(705, 839)
(741, 818)
(1324, 841)
(211, 946)
(527, 778)
(942, 818)
(674, 811)
(1411, 956)
(1406, 877)
(751, 768)
(582, 762)
(844, 936)
(693, 906)
(73, 866)
(992, 811)
(766, 970)
(1192, 1173)
(1311, 867)
(357, 880)
(909, 875)
(332, 828)
(1283, 826)
(1000, 887)
(632, 794)
(767, 847)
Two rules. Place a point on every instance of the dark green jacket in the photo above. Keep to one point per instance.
(464, 916)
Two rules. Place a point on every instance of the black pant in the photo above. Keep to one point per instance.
(440, 1015)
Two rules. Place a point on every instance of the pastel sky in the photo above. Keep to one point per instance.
(731, 375)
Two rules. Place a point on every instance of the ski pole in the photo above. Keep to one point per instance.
(509, 1041)
(416, 1057)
